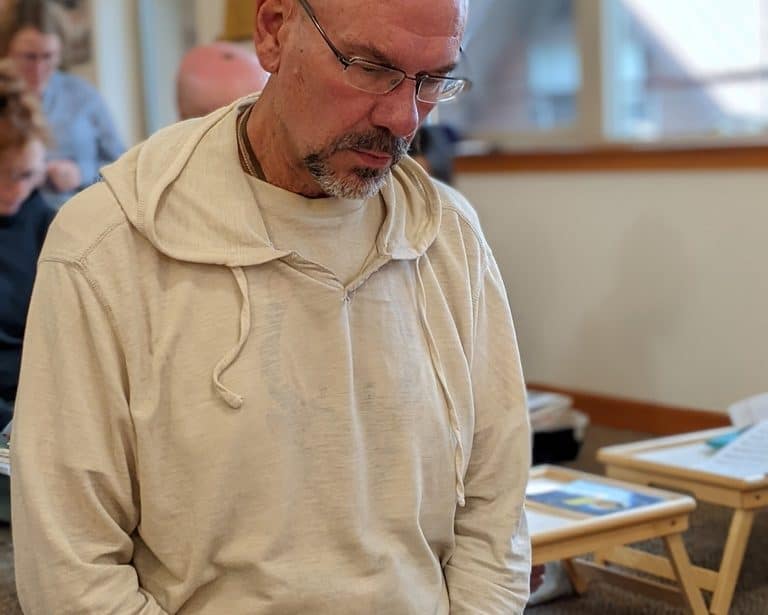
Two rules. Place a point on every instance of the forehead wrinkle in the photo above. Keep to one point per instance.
(367, 50)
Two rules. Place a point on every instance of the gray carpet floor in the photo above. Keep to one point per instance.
(709, 525)
(9, 605)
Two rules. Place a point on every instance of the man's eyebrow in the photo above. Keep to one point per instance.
(368, 52)
(444, 70)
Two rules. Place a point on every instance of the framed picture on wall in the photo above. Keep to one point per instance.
(71, 18)
(74, 24)
(7, 20)
(238, 20)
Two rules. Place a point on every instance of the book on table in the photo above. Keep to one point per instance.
(592, 498)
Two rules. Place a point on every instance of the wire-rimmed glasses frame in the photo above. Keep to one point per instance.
(376, 78)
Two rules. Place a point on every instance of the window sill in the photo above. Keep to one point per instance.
(618, 159)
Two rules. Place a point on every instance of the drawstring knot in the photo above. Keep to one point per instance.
(232, 399)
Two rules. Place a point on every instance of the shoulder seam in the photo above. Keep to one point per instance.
(80, 266)
(101, 236)
(475, 232)
(82, 257)
(465, 219)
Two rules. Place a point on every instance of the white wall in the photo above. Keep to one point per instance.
(651, 286)
(209, 17)
(162, 46)
(117, 61)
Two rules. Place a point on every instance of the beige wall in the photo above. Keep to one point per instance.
(209, 16)
(117, 64)
(646, 285)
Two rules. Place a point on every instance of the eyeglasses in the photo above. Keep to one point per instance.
(376, 78)
(31, 57)
(15, 176)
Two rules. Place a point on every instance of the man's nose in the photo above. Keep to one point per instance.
(399, 111)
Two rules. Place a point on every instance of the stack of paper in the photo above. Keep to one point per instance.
(5, 460)
(746, 457)
(749, 411)
(549, 411)
(5, 453)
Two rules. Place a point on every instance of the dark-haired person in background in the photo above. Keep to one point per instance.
(24, 220)
(84, 136)
(434, 148)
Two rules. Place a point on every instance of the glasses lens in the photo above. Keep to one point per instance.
(433, 90)
(372, 77)
(33, 58)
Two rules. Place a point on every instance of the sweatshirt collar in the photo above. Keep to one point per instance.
(185, 191)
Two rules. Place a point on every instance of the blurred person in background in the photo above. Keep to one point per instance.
(24, 220)
(212, 76)
(84, 136)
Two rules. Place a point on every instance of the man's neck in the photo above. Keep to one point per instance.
(278, 166)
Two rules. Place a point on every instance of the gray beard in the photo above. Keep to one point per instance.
(362, 183)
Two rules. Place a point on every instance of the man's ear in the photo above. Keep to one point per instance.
(270, 19)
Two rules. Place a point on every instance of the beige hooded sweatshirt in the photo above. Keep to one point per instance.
(206, 424)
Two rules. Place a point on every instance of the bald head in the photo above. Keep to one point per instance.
(211, 76)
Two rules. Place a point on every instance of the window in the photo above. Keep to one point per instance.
(523, 58)
(688, 68)
(551, 73)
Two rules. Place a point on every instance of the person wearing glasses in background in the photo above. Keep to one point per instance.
(84, 136)
(292, 383)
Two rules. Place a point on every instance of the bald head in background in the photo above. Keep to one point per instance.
(211, 76)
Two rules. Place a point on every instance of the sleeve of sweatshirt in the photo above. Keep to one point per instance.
(74, 496)
(489, 571)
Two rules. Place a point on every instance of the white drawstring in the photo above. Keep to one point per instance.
(232, 399)
(438, 367)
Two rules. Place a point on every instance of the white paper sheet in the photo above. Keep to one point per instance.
(746, 457)
(749, 411)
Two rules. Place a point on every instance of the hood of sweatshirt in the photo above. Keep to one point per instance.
(184, 190)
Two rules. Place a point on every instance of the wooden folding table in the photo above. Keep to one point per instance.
(672, 462)
(559, 533)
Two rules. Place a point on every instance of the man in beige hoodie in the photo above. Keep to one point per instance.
(270, 365)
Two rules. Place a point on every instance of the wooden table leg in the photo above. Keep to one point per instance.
(733, 556)
(599, 558)
(683, 571)
(577, 580)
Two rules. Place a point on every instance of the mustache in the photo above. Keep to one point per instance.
(378, 140)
